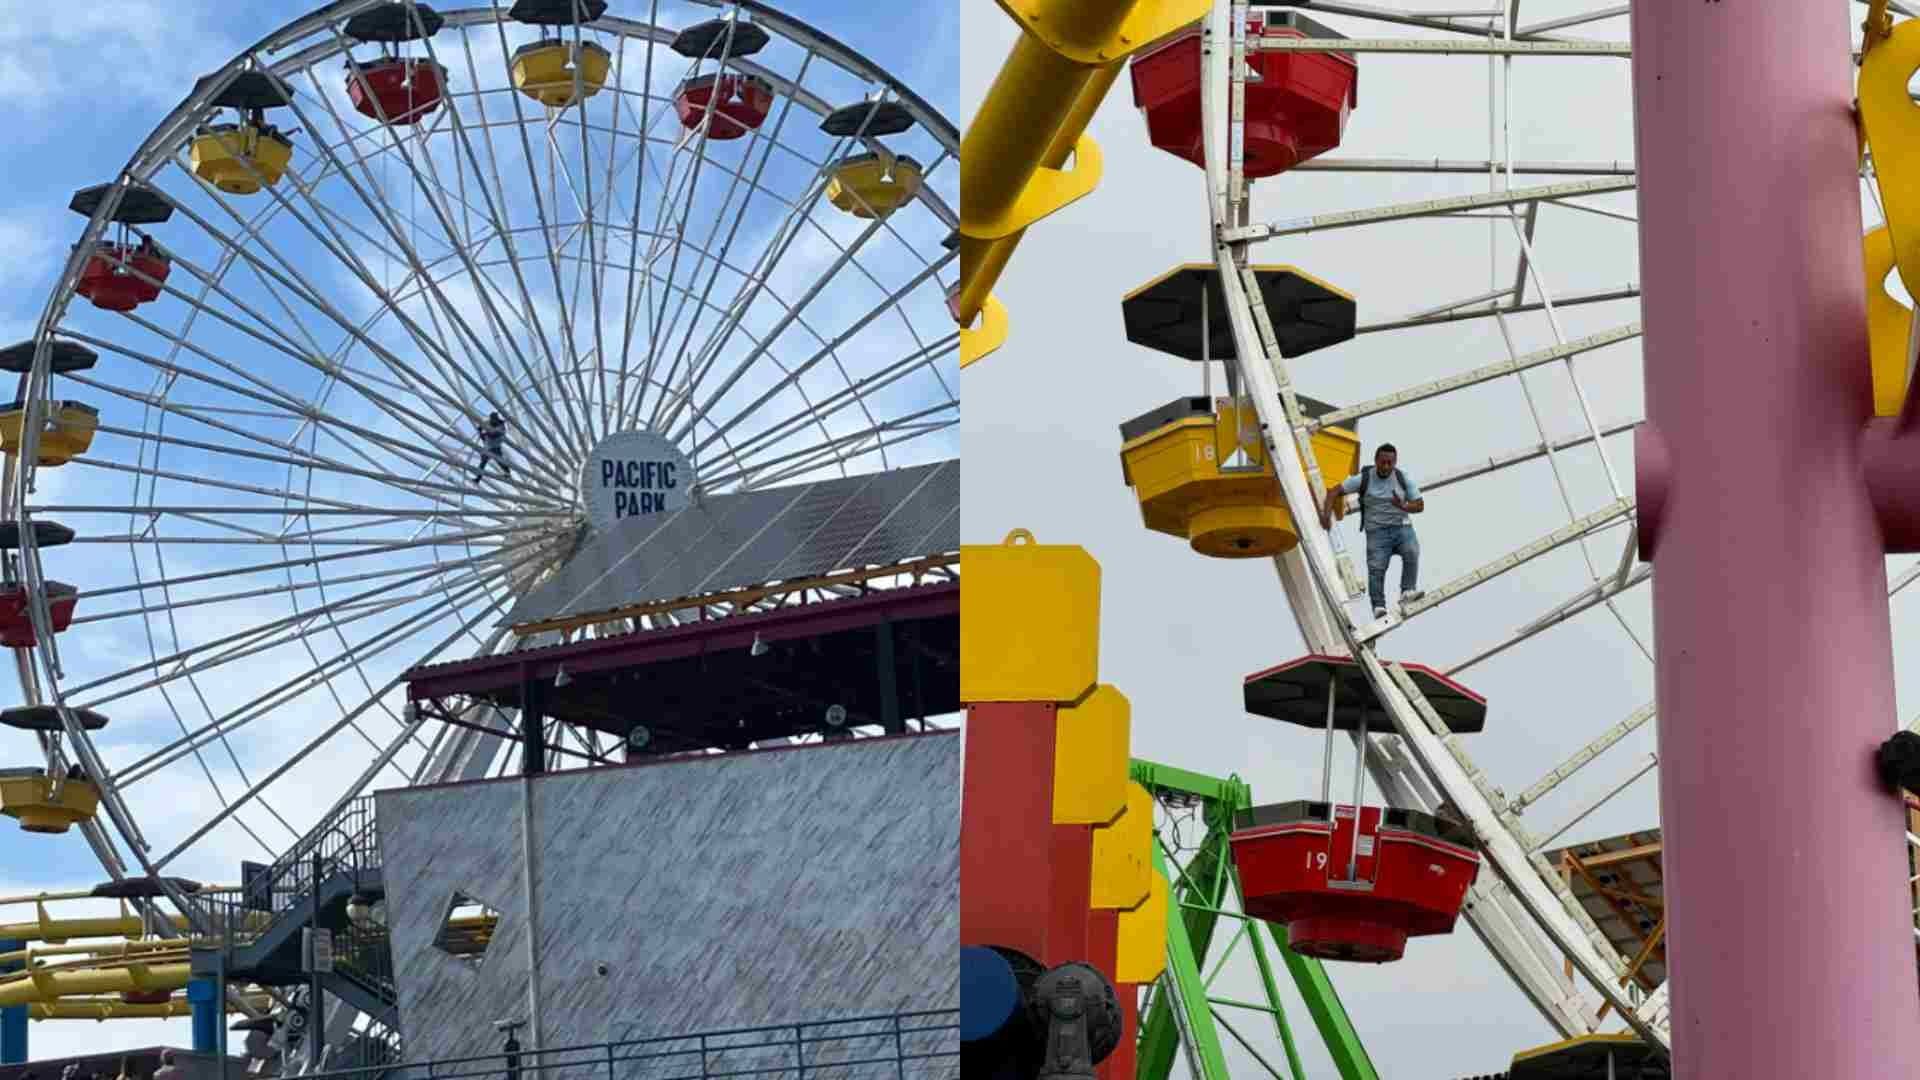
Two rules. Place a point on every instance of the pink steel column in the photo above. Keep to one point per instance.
(1790, 944)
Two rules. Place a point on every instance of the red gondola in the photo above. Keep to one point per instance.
(115, 287)
(401, 91)
(1407, 876)
(740, 103)
(1352, 882)
(145, 997)
(16, 626)
(1297, 110)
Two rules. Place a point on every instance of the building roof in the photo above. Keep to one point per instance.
(1619, 882)
(749, 538)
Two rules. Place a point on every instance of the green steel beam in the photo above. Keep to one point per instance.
(1189, 1009)
(1157, 778)
(1198, 897)
(1323, 1004)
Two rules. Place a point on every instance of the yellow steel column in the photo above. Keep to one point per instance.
(1033, 117)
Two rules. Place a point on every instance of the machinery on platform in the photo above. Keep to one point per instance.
(1022, 1021)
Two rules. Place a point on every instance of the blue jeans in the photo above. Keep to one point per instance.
(1384, 544)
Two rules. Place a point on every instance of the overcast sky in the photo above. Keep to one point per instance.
(83, 87)
(1041, 444)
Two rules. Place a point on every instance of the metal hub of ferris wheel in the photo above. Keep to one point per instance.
(394, 312)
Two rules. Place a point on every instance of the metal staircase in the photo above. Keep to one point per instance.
(313, 884)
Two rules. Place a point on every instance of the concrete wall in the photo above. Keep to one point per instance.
(728, 891)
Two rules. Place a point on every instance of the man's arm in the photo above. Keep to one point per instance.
(1334, 495)
(1413, 503)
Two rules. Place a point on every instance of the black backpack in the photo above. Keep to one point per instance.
(1366, 477)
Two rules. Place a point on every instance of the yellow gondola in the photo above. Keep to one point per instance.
(1176, 460)
(544, 71)
(873, 185)
(69, 430)
(236, 158)
(27, 795)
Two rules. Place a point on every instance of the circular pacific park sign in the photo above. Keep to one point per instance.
(634, 474)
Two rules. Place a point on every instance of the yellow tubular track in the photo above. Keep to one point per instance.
(112, 1008)
(1033, 118)
(159, 971)
(62, 930)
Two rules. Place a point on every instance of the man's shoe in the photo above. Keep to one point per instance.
(1379, 613)
(1411, 597)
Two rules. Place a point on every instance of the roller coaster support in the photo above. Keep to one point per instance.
(1034, 117)
(13, 1018)
(1203, 880)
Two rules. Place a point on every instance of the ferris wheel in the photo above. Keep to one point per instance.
(1516, 373)
(339, 358)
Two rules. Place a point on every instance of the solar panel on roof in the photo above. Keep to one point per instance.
(744, 539)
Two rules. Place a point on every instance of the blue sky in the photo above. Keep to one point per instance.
(82, 91)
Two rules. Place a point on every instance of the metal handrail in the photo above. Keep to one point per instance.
(922, 1045)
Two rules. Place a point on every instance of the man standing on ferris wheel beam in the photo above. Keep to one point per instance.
(493, 443)
(1387, 497)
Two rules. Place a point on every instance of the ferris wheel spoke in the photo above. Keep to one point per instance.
(1511, 458)
(806, 459)
(433, 195)
(749, 409)
(289, 629)
(276, 589)
(1600, 592)
(292, 629)
(330, 240)
(1530, 268)
(1474, 377)
(1534, 32)
(1453, 204)
(444, 493)
(312, 504)
(795, 210)
(1586, 811)
(561, 416)
(922, 359)
(304, 751)
(1468, 309)
(659, 329)
(267, 394)
(1614, 514)
(470, 340)
(644, 161)
(854, 394)
(290, 278)
(580, 436)
(895, 433)
(609, 196)
(719, 258)
(1580, 758)
(751, 288)
(166, 583)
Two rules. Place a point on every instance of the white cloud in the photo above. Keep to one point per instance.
(146, 51)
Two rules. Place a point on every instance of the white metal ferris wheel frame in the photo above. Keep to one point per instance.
(1525, 915)
(38, 669)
